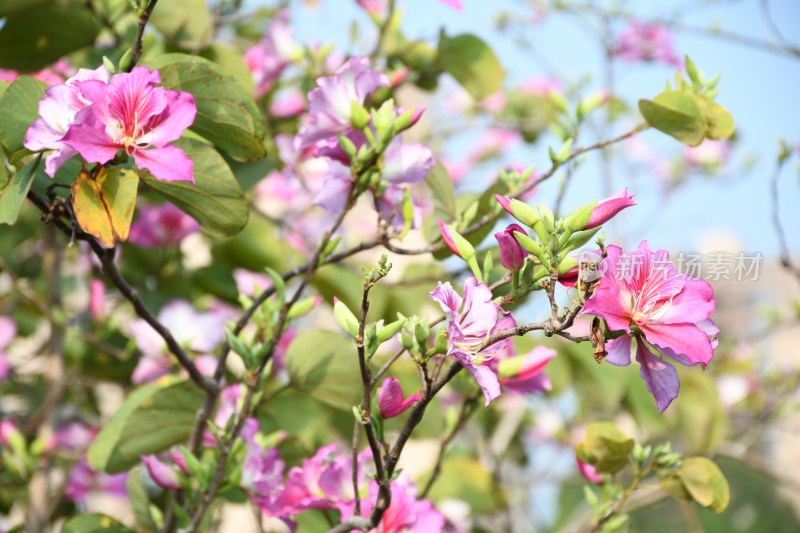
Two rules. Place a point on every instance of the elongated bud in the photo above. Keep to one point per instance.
(457, 244)
(163, 476)
(607, 209)
(577, 240)
(519, 210)
(388, 331)
(511, 253)
(567, 264)
(533, 248)
(345, 318)
(408, 119)
(303, 307)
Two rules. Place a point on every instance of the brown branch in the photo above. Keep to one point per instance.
(786, 259)
(144, 16)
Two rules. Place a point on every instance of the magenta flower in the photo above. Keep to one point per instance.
(8, 330)
(406, 513)
(83, 481)
(470, 321)
(607, 209)
(458, 5)
(162, 474)
(268, 59)
(642, 294)
(262, 477)
(525, 373)
(647, 42)
(511, 253)
(132, 114)
(159, 226)
(330, 103)
(390, 398)
(57, 112)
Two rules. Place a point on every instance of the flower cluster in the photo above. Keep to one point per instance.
(96, 115)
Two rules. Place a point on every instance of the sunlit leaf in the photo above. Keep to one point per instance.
(104, 203)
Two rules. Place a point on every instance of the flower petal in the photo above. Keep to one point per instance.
(661, 377)
(619, 351)
(168, 163)
(693, 304)
(178, 115)
(685, 343)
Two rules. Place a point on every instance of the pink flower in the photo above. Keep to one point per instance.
(458, 5)
(448, 238)
(709, 155)
(607, 209)
(268, 59)
(74, 437)
(647, 42)
(262, 477)
(97, 297)
(588, 472)
(287, 104)
(642, 294)
(405, 514)
(511, 253)
(324, 481)
(130, 113)
(9, 431)
(57, 112)
(390, 398)
(159, 226)
(8, 330)
(373, 7)
(330, 103)
(470, 320)
(162, 474)
(82, 481)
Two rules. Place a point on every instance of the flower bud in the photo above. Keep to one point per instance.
(345, 318)
(390, 398)
(457, 244)
(359, 117)
(519, 210)
(163, 476)
(606, 209)
(511, 253)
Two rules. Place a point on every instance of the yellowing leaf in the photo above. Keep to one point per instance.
(104, 203)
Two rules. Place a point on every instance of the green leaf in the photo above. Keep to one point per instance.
(35, 37)
(324, 365)
(230, 60)
(676, 114)
(94, 523)
(184, 22)
(151, 419)
(605, 447)
(19, 108)
(472, 63)
(720, 122)
(706, 483)
(215, 199)
(14, 189)
(137, 496)
(464, 478)
(226, 114)
(441, 186)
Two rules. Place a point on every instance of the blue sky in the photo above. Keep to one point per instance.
(759, 88)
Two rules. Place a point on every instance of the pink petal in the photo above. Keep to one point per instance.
(176, 118)
(693, 304)
(686, 343)
(661, 377)
(168, 163)
(164, 476)
(89, 137)
(447, 298)
(611, 301)
(619, 351)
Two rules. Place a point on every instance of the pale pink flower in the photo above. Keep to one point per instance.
(709, 155)
(160, 226)
(161, 473)
(57, 112)
(130, 113)
(268, 59)
(288, 103)
(470, 321)
(641, 41)
(83, 481)
(643, 295)
(331, 102)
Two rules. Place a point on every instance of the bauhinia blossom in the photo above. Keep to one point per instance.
(470, 321)
(57, 112)
(163, 225)
(130, 113)
(269, 58)
(607, 209)
(390, 398)
(330, 104)
(643, 295)
(647, 42)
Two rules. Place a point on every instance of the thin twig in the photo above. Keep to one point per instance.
(144, 16)
(786, 259)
